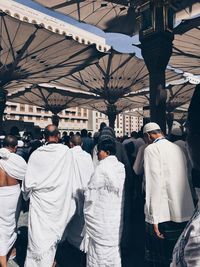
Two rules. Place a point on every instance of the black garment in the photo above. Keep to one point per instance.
(88, 144)
(159, 251)
(69, 256)
(132, 241)
(130, 149)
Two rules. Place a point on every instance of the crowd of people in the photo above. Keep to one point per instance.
(102, 201)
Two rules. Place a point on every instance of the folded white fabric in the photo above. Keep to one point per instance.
(12, 164)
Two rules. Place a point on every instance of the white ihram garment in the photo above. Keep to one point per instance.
(50, 184)
(14, 166)
(104, 213)
(168, 195)
(84, 170)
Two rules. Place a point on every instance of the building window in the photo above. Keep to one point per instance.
(79, 111)
(13, 108)
(30, 109)
(30, 118)
(37, 118)
(22, 108)
(21, 118)
(38, 110)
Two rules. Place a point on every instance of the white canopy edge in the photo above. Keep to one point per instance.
(31, 15)
(50, 85)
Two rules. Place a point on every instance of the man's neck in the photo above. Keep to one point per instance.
(11, 149)
(158, 137)
(52, 140)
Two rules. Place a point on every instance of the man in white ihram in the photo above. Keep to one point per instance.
(84, 169)
(169, 203)
(50, 184)
(12, 170)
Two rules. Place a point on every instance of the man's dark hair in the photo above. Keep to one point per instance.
(102, 125)
(10, 141)
(134, 134)
(76, 140)
(50, 130)
(107, 146)
(84, 133)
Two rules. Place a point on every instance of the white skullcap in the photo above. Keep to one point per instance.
(177, 131)
(20, 143)
(151, 126)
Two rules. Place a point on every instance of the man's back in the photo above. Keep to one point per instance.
(84, 164)
(168, 195)
(49, 183)
(83, 171)
(6, 180)
(48, 176)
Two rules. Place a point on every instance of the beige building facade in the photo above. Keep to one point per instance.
(72, 119)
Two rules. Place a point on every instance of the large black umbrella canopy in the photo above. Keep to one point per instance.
(30, 54)
(186, 46)
(179, 115)
(127, 102)
(111, 16)
(51, 98)
(178, 95)
(114, 77)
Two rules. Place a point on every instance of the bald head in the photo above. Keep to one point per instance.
(10, 141)
(76, 140)
(51, 133)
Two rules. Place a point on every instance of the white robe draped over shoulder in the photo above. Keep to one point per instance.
(15, 167)
(84, 170)
(50, 184)
(104, 201)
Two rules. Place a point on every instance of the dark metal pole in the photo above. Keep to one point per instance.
(156, 51)
(112, 114)
(55, 119)
(112, 118)
(156, 36)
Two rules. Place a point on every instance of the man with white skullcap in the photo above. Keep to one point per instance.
(169, 203)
